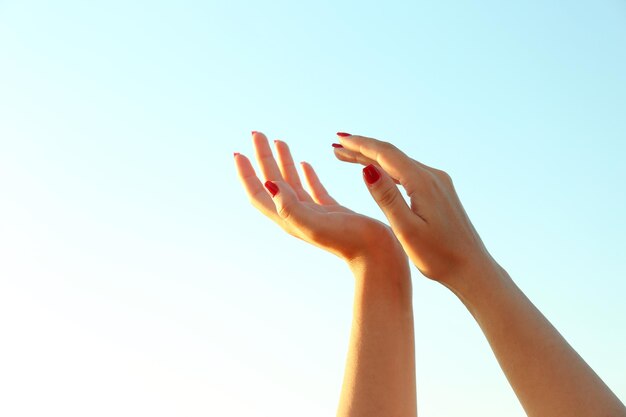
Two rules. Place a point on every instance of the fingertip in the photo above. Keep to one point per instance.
(259, 137)
(256, 134)
(307, 168)
(371, 174)
(344, 155)
(282, 143)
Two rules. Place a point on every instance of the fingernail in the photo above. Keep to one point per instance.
(343, 134)
(371, 174)
(337, 145)
(271, 187)
(236, 153)
(254, 132)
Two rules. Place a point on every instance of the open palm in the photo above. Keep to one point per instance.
(314, 217)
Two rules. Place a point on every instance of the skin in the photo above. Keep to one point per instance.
(379, 378)
(549, 378)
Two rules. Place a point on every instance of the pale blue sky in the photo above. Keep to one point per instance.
(136, 279)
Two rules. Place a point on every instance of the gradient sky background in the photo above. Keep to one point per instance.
(135, 278)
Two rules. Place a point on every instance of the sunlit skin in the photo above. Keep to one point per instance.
(379, 379)
(548, 376)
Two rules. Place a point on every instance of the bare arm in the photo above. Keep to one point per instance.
(548, 376)
(546, 373)
(379, 379)
(380, 370)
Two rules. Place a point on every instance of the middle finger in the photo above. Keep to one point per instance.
(265, 158)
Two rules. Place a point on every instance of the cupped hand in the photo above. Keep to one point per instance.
(434, 230)
(314, 217)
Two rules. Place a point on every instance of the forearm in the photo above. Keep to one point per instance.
(548, 376)
(379, 378)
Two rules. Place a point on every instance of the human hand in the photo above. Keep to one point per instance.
(435, 231)
(316, 217)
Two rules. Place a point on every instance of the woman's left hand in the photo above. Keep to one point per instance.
(316, 217)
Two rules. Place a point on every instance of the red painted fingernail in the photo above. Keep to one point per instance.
(343, 134)
(337, 145)
(271, 187)
(254, 132)
(236, 153)
(371, 174)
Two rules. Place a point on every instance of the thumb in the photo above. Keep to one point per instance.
(389, 199)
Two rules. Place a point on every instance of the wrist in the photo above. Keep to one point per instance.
(477, 281)
(383, 252)
(384, 268)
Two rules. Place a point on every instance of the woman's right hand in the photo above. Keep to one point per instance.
(546, 373)
(435, 231)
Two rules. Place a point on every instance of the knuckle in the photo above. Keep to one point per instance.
(285, 211)
(387, 148)
(432, 179)
(388, 197)
(444, 176)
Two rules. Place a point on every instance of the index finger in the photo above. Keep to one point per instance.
(395, 162)
(254, 188)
